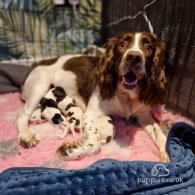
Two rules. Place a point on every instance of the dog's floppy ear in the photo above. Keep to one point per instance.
(153, 89)
(106, 75)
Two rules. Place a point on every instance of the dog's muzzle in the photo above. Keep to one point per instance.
(134, 69)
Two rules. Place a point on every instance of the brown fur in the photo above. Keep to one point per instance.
(107, 74)
(152, 86)
(84, 67)
(45, 62)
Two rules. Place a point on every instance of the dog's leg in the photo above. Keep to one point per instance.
(35, 87)
(106, 129)
(90, 142)
(155, 132)
(26, 138)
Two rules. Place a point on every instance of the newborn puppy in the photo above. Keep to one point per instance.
(72, 112)
(56, 103)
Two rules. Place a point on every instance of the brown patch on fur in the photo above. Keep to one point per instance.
(69, 106)
(153, 87)
(108, 139)
(45, 62)
(69, 114)
(110, 121)
(106, 75)
(84, 67)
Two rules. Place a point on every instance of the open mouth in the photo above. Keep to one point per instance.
(129, 80)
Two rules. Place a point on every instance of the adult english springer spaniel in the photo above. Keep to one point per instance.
(126, 81)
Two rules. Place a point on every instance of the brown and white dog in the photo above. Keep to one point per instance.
(126, 81)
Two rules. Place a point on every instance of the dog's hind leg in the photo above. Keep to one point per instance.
(26, 138)
(35, 87)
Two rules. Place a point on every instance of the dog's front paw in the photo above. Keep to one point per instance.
(72, 150)
(164, 157)
(77, 150)
(106, 129)
(65, 149)
(28, 140)
(76, 125)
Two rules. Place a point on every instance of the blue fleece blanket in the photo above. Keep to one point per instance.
(113, 177)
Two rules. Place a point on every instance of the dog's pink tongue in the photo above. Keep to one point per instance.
(130, 79)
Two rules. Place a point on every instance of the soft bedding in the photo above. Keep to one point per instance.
(115, 177)
(130, 143)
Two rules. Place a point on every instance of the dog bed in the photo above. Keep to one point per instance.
(130, 143)
(114, 177)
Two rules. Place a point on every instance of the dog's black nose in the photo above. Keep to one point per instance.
(133, 58)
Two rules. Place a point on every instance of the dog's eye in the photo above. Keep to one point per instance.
(122, 45)
(148, 48)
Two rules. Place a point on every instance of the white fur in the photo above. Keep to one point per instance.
(36, 86)
(135, 48)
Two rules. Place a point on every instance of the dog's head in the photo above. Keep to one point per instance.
(133, 60)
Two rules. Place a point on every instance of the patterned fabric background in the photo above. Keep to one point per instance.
(38, 28)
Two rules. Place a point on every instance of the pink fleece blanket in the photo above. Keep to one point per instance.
(130, 143)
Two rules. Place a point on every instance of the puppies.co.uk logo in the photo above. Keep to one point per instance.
(159, 170)
(159, 174)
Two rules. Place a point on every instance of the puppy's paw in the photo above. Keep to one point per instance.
(164, 157)
(63, 130)
(28, 140)
(36, 117)
(76, 125)
(77, 149)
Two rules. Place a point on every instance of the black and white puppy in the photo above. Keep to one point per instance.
(61, 110)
